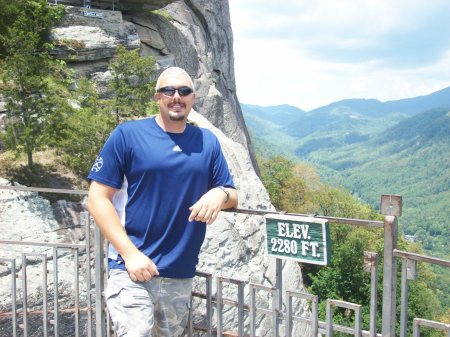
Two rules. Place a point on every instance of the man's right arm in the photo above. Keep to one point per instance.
(139, 267)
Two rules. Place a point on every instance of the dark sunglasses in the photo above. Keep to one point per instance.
(170, 91)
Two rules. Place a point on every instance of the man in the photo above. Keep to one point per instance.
(155, 185)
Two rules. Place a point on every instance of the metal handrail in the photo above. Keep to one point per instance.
(421, 258)
(350, 221)
(43, 189)
(80, 247)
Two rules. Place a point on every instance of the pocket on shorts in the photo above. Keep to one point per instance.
(112, 290)
(114, 303)
(114, 286)
(185, 318)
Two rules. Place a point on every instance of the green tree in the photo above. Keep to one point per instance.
(85, 128)
(286, 189)
(32, 80)
(91, 120)
(344, 278)
(132, 83)
(332, 201)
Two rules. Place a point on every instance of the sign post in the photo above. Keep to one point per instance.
(304, 239)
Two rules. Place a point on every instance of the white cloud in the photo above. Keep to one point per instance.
(311, 53)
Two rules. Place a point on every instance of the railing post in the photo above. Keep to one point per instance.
(25, 295)
(44, 295)
(55, 292)
(86, 224)
(100, 312)
(391, 207)
(389, 277)
(252, 310)
(13, 295)
(408, 273)
(279, 287)
(371, 266)
(241, 309)
(329, 319)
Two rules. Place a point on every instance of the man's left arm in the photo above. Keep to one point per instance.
(212, 202)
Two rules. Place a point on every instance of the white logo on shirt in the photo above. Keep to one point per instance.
(97, 165)
(176, 148)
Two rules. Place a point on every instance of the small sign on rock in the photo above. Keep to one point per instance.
(92, 14)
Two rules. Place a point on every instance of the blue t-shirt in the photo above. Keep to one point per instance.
(160, 175)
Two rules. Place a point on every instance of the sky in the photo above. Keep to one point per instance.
(309, 53)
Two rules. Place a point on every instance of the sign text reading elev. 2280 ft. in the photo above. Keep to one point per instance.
(305, 239)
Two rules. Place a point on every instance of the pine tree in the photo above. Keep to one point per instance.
(132, 83)
(31, 77)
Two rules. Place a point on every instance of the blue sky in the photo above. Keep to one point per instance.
(309, 53)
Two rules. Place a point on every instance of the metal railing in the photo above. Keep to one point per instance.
(409, 272)
(88, 4)
(51, 314)
(279, 313)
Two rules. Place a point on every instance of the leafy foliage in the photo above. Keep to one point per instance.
(85, 128)
(91, 120)
(32, 80)
(25, 25)
(287, 191)
(131, 83)
(42, 111)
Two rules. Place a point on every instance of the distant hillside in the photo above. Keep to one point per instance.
(264, 125)
(291, 130)
(427, 126)
(364, 116)
(279, 115)
(374, 148)
(409, 106)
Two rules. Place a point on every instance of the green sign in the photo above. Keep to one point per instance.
(304, 239)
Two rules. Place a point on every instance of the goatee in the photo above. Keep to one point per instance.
(176, 118)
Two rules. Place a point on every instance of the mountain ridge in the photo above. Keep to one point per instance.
(363, 116)
(409, 105)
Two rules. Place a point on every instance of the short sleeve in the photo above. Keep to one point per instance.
(221, 173)
(108, 167)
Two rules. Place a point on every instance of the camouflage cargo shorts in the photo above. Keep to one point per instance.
(156, 308)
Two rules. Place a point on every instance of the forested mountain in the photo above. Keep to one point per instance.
(373, 148)
(266, 125)
(410, 159)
